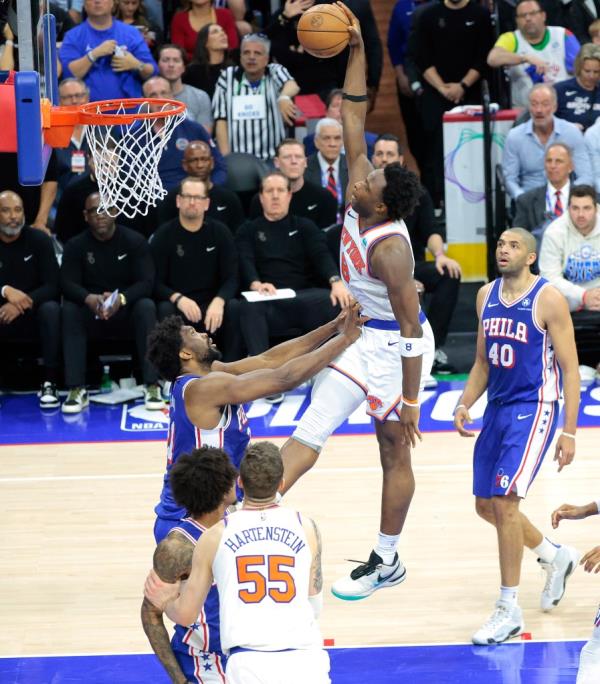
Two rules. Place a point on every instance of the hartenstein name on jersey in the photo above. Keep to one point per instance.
(505, 327)
(268, 533)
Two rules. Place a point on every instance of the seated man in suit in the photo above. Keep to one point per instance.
(536, 208)
(328, 166)
(308, 199)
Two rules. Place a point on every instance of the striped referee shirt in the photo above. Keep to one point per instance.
(258, 137)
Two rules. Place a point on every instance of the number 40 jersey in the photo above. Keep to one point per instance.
(262, 568)
(520, 355)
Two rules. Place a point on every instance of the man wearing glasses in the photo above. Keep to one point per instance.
(197, 269)
(72, 160)
(534, 53)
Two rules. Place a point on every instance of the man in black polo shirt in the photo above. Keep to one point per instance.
(104, 258)
(308, 199)
(29, 290)
(278, 250)
(224, 205)
(197, 269)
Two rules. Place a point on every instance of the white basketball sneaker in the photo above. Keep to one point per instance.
(557, 574)
(505, 622)
(368, 577)
(589, 664)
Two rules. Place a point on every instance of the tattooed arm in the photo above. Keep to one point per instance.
(172, 562)
(315, 587)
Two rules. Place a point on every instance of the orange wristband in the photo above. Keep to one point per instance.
(410, 402)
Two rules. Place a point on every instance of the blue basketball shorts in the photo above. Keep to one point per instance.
(511, 447)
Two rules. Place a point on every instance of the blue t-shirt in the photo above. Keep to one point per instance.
(398, 30)
(103, 82)
(576, 104)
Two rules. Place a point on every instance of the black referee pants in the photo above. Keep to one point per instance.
(444, 291)
(260, 321)
(131, 322)
(43, 323)
(228, 337)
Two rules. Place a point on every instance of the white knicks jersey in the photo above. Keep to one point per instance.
(262, 569)
(355, 252)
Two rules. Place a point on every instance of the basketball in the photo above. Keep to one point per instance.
(323, 30)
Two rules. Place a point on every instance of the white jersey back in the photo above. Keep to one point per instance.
(355, 252)
(262, 569)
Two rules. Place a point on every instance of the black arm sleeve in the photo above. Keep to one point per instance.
(143, 271)
(71, 273)
(160, 256)
(317, 250)
(228, 265)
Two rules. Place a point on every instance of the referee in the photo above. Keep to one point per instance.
(253, 103)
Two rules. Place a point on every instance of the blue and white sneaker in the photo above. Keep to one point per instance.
(368, 577)
(505, 622)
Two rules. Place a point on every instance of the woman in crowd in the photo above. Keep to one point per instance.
(210, 58)
(579, 97)
(133, 12)
(197, 14)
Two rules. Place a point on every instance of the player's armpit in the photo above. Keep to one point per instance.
(154, 628)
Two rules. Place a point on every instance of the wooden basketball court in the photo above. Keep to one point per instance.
(76, 528)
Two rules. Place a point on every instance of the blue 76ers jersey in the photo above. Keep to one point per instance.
(191, 643)
(520, 355)
(232, 434)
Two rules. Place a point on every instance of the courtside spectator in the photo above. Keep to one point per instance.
(29, 308)
(72, 160)
(592, 143)
(106, 258)
(253, 103)
(196, 15)
(211, 56)
(110, 56)
(579, 97)
(171, 65)
(525, 146)
(224, 205)
(534, 53)
(308, 199)
(197, 270)
(134, 13)
(170, 167)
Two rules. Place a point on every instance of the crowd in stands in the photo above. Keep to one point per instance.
(239, 69)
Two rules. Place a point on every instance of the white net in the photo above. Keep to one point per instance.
(126, 157)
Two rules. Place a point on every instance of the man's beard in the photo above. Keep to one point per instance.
(213, 354)
(11, 232)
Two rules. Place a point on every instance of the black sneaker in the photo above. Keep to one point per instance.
(441, 365)
(48, 396)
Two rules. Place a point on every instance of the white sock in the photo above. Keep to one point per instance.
(546, 551)
(509, 595)
(386, 547)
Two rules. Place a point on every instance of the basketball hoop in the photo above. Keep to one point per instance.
(126, 139)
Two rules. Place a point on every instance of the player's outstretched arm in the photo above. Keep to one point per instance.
(182, 602)
(354, 106)
(218, 389)
(284, 352)
(478, 377)
(555, 316)
(571, 512)
(172, 562)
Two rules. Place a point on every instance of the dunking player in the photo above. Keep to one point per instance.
(524, 344)
(206, 394)
(266, 562)
(396, 347)
(589, 658)
(203, 483)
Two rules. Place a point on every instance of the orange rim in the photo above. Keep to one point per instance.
(102, 113)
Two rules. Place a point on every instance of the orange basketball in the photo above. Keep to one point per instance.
(323, 30)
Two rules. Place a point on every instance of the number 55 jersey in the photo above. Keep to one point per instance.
(262, 568)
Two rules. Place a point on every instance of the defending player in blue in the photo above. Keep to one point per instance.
(203, 483)
(525, 353)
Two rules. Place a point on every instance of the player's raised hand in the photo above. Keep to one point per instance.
(354, 28)
(591, 560)
(565, 451)
(158, 592)
(351, 322)
(571, 512)
(461, 416)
